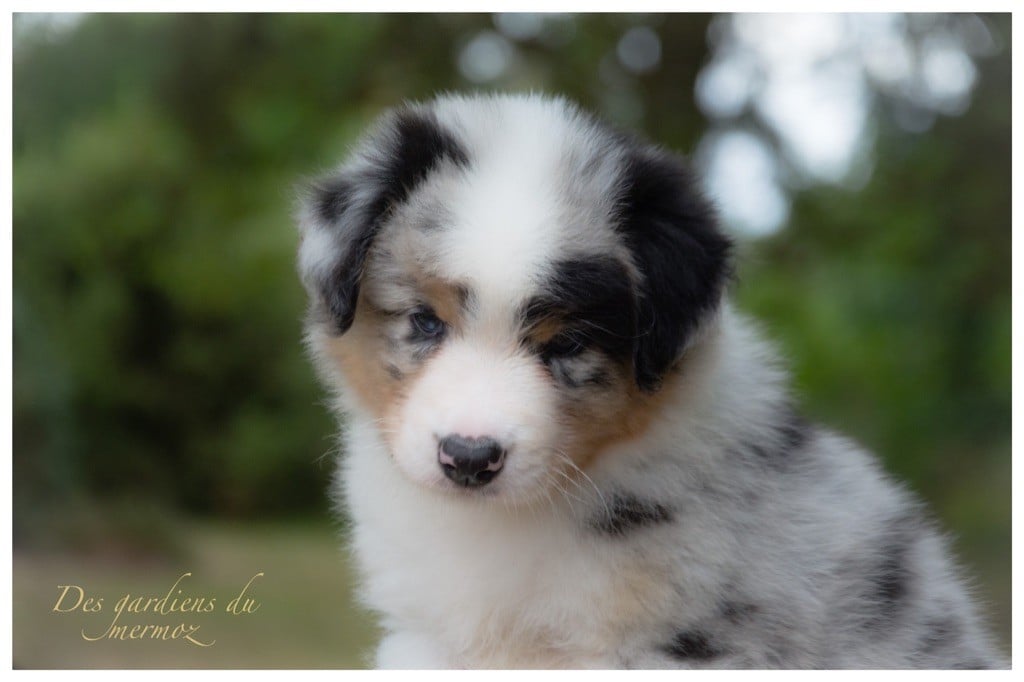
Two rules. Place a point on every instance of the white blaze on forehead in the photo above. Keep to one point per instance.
(505, 212)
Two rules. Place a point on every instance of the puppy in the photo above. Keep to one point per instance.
(563, 447)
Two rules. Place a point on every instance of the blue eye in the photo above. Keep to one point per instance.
(426, 324)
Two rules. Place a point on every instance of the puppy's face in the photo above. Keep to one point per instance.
(503, 286)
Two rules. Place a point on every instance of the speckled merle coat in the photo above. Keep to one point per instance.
(563, 447)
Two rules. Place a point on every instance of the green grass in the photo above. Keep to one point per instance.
(306, 618)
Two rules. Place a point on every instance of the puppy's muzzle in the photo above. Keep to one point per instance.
(470, 462)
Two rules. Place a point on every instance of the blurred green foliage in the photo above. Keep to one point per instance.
(157, 315)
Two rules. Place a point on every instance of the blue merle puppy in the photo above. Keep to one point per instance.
(563, 447)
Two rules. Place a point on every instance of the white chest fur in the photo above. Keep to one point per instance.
(488, 587)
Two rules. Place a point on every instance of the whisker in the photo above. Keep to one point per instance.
(548, 481)
(569, 497)
(573, 466)
(564, 490)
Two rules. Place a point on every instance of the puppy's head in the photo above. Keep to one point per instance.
(504, 286)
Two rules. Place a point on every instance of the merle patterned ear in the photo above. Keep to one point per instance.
(348, 207)
(683, 258)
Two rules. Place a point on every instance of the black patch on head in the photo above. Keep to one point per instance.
(692, 645)
(627, 513)
(331, 198)
(593, 298)
(671, 230)
(353, 205)
(420, 144)
(340, 290)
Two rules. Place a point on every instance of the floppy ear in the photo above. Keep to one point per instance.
(683, 258)
(342, 213)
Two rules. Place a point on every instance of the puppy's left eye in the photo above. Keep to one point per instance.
(562, 346)
(426, 324)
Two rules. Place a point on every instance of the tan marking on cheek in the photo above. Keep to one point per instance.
(376, 370)
(362, 356)
(620, 412)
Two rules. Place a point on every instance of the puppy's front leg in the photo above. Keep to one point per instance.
(410, 651)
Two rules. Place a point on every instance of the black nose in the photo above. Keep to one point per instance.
(470, 462)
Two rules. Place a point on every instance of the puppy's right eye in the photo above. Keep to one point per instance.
(426, 324)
